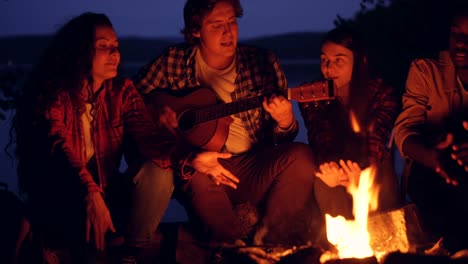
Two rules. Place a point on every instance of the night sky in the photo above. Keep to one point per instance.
(163, 18)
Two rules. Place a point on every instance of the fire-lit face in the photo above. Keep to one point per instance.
(336, 62)
(107, 56)
(459, 42)
(218, 35)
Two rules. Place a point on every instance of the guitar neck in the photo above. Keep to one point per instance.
(315, 91)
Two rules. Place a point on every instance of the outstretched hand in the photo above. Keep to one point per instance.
(330, 174)
(460, 151)
(168, 119)
(352, 172)
(439, 169)
(280, 110)
(207, 163)
(344, 173)
(98, 220)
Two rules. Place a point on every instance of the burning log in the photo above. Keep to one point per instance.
(397, 230)
(405, 258)
(368, 260)
(308, 255)
(275, 252)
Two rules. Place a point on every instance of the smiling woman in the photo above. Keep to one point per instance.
(107, 56)
(69, 128)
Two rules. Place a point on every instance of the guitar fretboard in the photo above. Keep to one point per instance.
(314, 91)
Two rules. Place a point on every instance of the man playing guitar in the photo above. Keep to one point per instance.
(258, 162)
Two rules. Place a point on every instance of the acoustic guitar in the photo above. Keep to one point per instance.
(204, 122)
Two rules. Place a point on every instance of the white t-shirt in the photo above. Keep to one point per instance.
(223, 83)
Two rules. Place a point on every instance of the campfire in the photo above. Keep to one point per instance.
(350, 237)
(395, 236)
(372, 238)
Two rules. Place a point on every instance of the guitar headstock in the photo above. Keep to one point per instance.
(311, 92)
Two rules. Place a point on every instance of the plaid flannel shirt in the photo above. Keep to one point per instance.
(383, 108)
(119, 108)
(258, 72)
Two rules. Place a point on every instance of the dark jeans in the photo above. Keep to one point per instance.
(279, 180)
(136, 202)
(152, 190)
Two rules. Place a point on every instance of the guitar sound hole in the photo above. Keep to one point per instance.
(186, 121)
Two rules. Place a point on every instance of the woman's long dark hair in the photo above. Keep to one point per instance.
(359, 92)
(64, 66)
(67, 61)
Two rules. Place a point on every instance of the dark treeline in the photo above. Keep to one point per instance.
(398, 31)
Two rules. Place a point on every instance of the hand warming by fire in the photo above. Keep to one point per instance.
(334, 174)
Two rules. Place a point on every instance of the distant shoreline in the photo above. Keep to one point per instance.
(296, 48)
(293, 61)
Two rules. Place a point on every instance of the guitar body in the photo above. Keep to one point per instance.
(204, 122)
(210, 135)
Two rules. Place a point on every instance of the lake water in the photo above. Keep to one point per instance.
(297, 72)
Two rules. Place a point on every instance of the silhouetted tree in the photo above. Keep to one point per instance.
(398, 31)
(9, 80)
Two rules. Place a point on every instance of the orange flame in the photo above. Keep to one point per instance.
(354, 122)
(351, 237)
